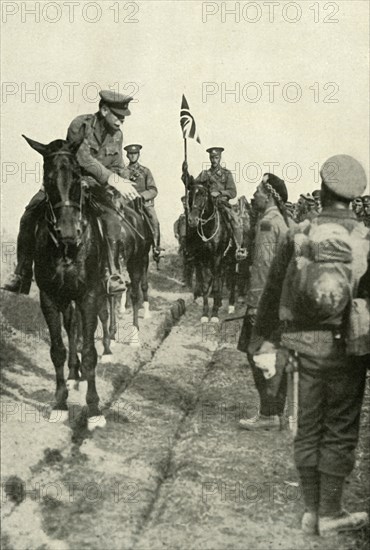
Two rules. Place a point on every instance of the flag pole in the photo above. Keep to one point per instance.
(186, 186)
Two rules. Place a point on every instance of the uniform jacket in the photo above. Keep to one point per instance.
(100, 153)
(220, 180)
(144, 181)
(270, 231)
(315, 342)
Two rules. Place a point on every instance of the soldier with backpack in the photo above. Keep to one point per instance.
(316, 307)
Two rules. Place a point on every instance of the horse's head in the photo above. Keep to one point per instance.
(199, 197)
(62, 183)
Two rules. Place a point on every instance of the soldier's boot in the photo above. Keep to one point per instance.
(115, 280)
(260, 422)
(157, 250)
(332, 517)
(20, 281)
(310, 485)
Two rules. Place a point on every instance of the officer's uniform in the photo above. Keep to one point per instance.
(99, 155)
(220, 180)
(270, 231)
(331, 384)
(144, 183)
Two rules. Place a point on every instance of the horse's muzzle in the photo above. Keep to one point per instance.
(193, 221)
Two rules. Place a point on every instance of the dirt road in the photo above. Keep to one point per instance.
(171, 470)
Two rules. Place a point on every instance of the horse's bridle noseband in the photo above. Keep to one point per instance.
(67, 203)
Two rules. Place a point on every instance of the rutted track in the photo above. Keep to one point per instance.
(145, 396)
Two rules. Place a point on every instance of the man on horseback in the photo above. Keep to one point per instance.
(221, 185)
(145, 185)
(100, 157)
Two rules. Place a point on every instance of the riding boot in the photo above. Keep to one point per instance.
(154, 223)
(20, 281)
(115, 280)
(157, 250)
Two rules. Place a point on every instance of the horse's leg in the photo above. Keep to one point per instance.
(70, 321)
(121, 304)
(203, 282)
(58, 356)
(104, 318)
(135, 276)
(112, 315)
(78, 331)
(233, 276)
(89, 312)
(145, 286)
(217, 290)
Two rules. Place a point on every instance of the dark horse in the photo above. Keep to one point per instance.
(211, 245)
(69, 270)
(135, 239)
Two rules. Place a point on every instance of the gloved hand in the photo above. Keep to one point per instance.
(216, 194)
(252, 315)
(267, 363)
(124, 186)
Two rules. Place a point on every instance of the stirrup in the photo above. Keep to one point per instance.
(115, 284)
(241, 254)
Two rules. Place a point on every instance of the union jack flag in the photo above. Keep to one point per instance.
(189, 129)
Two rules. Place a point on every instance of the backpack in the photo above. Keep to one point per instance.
(323, 274)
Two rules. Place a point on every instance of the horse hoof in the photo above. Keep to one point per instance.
(96, 422)
(134, 339)
(72, 385)
(231, 309)
(215, 320)
(58, 415)
(204, 319)
(104, 359)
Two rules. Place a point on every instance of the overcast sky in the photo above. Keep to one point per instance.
(316, 105)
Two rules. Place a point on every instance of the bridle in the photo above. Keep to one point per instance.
(203, 221)
(62, 204)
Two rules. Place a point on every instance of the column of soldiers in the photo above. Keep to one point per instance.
(305, 314)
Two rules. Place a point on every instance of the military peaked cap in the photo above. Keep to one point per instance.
(215, 150)
(344, 175)
(316, 193)
(134, 148)
(366, 200)
(117, 103)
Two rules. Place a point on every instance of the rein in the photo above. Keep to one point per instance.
(202, 222)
